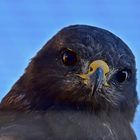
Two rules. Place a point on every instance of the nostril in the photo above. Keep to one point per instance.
(90, 69)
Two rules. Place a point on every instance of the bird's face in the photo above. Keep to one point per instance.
(86, 67)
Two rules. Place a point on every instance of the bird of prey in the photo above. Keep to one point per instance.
(80, 86)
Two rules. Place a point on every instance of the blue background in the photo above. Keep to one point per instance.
(26, 25)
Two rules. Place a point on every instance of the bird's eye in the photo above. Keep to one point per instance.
(69, 57)
(122, 75)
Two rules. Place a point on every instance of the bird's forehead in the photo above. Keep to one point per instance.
(92, 44)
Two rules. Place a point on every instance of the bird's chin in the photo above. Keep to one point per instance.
(96, 99)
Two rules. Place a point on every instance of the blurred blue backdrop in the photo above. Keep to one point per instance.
(26, 25)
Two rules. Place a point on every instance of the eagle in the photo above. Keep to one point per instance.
(80, 86)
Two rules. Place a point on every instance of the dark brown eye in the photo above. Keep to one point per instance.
(69, 57)
(122, 75)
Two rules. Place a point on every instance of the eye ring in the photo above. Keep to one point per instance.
(69, 57)
(122, 75)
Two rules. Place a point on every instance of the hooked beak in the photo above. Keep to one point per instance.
(95, 78)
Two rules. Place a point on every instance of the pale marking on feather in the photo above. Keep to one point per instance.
(19, 98)
(84, 66)
(110, 132)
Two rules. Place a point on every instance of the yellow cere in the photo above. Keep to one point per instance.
(99, 63)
